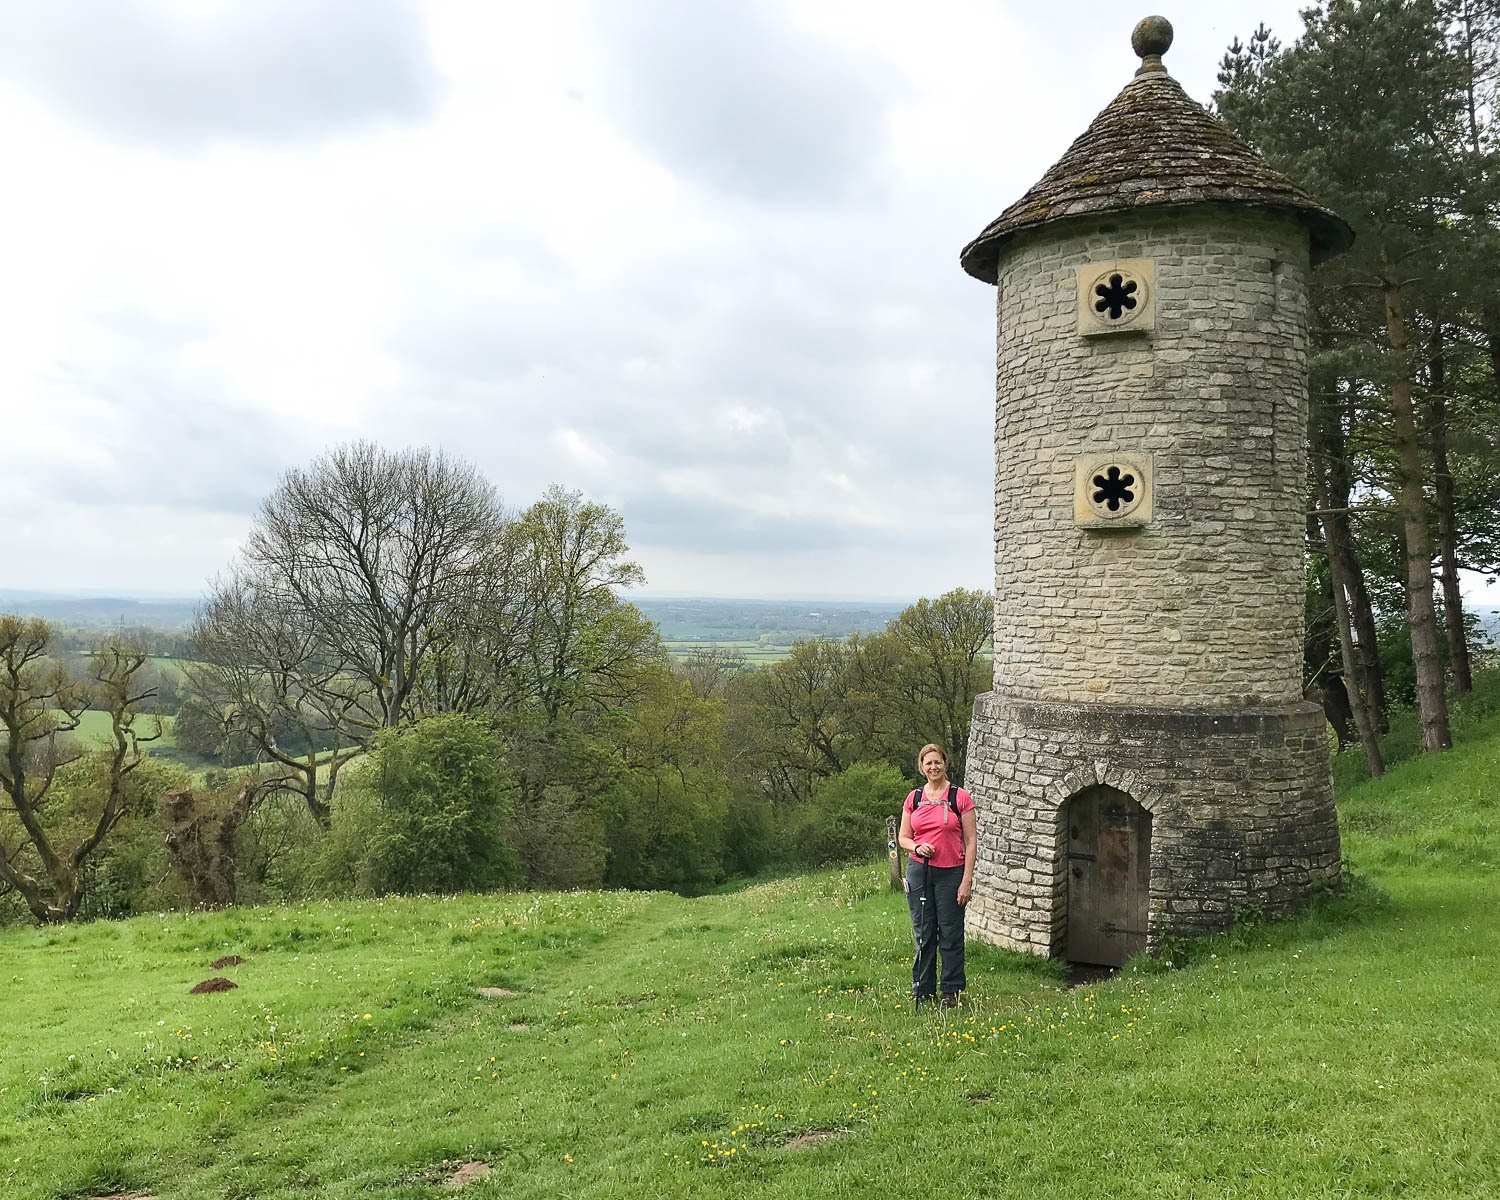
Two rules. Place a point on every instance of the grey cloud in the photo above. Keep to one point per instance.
(868, 369)
(181, 449)
(272, 71)
(748, 105)
(712, 527)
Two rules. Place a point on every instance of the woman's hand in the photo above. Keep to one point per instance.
(923, 849)
(965, 890)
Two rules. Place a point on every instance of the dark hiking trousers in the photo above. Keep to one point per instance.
(937, 920)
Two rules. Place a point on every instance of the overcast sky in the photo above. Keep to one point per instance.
(697, 258)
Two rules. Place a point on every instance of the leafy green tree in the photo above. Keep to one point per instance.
(844, 822)
(943, 663)
(833, 704)
(130, 872)
(46, 846)
(443, 800)
(1373, 111)
(797, 720)
(665, 817)
(582, 652)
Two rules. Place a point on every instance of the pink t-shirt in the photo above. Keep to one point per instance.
(933, 821)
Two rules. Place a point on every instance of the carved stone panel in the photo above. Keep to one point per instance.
(1112, 490)
(1117, 296)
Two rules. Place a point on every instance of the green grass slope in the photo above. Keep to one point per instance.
(761, 1044)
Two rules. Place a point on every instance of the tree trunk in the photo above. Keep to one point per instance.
(1331, 471)
(1447, 520)
(202, 843)
(1320, 662)
(1331, 447)
(1421, 615)
(1368, 736)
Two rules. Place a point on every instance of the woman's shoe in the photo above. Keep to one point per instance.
(950, 1000)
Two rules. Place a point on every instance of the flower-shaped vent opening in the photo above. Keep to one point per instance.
(1112, 489)
(1116, 296)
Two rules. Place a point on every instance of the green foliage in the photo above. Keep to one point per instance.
(559, 839)
(831, 704)
(749, 833)
(668, 832)
(844, 822)
(130, 873)
(344, 864)
(443, 799)
(278, 851)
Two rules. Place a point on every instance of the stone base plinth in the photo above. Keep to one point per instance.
(1242, 815)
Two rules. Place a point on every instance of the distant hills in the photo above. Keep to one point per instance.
(686, 619)
(99, 612)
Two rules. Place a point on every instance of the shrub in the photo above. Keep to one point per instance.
(442, 799)
(749, 833)
(666, 830)
(844, 821)
(560, 841)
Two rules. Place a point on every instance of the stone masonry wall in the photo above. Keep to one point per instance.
(1242, 813)
(1166, 660)
(1203, 606)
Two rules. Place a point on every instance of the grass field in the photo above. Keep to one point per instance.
(760, 1043)
(756, 653)
(94, 727)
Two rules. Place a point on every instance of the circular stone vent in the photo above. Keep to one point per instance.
(1116, 297)
(1114, 489)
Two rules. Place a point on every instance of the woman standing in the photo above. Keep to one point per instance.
(937, 831)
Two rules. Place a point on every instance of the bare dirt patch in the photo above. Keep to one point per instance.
(978, 1097)
(467, 1173)
(811, 1137)
(518, 1027)
(493, 993)
(1087, 974)
(217, 984)
(229, 960)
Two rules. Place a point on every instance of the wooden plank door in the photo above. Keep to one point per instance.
(1109, 866)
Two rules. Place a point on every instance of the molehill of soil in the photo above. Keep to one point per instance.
(217, 984)
(229, 960)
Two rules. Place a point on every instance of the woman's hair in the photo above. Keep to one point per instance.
(928, 749)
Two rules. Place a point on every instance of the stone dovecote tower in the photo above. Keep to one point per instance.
(1146, 762)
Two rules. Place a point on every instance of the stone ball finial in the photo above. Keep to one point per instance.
(1151, 38)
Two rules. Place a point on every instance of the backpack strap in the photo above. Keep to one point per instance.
(953, 800)
(911, 801)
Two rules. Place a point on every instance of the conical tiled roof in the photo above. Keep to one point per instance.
(1153, 146)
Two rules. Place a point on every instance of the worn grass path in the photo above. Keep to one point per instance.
(662, 1046)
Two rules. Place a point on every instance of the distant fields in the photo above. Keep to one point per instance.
(93, 727)
(756, 653)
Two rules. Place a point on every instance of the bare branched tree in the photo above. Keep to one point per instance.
(386, 552)
(375, 586)
(263, 671)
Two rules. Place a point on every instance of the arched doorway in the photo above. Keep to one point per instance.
(1109, 876)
